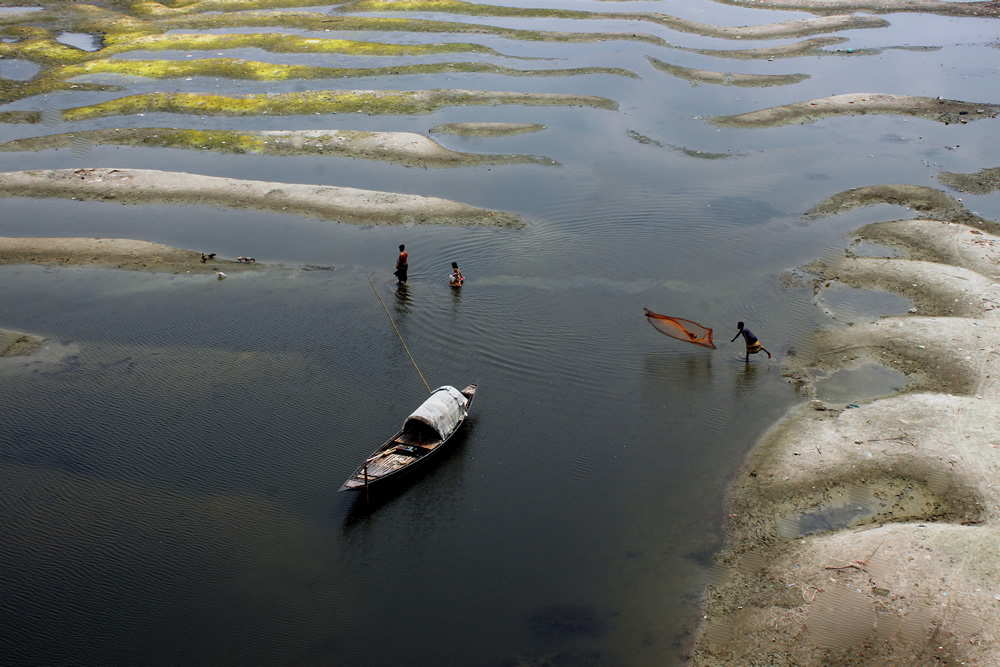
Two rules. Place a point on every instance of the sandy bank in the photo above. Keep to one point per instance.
(486, 129)
(923, 201)
(727, 78)
(128, 254)
(868, 535)
(794, 28)
(13, 343)
(861, 104)
(980, 183)
(406, 148)
(347, 205)
(323, 102)
(945, 7)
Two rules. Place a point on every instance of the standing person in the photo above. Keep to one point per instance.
(455, 278)
(753, 345)
(401, 266)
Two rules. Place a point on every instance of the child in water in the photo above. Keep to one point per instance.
(455, 278)
(753, 345)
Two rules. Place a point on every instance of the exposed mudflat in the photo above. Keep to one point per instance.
(486, 129)
(860, 104)
(127, 254)
(925, 202)
(347, 205)
(944, 7)
(980, 183)
(406, 148)
(13, 343)
(867, 533)
(727, 78)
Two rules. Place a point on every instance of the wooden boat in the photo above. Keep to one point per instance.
(424, 433)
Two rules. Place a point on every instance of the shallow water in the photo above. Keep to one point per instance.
(170, 462)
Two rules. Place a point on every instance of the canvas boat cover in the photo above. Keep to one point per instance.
(442, 411)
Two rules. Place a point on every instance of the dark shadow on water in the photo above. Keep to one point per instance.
(747, 379)
(692, 365)
(363, 507)
(569, 619)
(746, 210)
(402, 294)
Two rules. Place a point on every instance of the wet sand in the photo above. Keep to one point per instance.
(15, 343)
(405, 148)
(867, 533)
(337, 204)
(861, 104)
(125, 254)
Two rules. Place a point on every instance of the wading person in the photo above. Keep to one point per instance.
(753, 345)
(401, 266)
(455, 278)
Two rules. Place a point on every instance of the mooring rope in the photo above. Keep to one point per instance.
(397, 334)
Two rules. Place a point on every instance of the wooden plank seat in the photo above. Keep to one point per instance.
(410, 439)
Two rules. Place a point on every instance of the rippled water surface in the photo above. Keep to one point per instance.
(170, 459)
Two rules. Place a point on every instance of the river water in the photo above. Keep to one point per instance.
(170, 460)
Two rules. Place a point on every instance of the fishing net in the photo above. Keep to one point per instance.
(681, 329)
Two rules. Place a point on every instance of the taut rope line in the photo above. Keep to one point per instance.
(397, 334)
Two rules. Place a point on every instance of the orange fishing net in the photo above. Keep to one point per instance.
(681, 329)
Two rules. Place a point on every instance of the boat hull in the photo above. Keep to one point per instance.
(404, 452)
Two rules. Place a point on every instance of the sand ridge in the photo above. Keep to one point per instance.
(867, 534)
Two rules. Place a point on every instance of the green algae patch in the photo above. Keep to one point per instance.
(167, 8)
(642, 139)
(21, 117)
(40, 46)
(372, 102)
(985, 8)
(460, 7)
(278, 43)
(486, 129)
(334, 204)
(982, 182)
(927, 203)
(703, 155)
(325, 22)
(690, 152)
(861, 104)
(261, 71)
(14, 344)
(406, 148)
(11, 91)
(697, 76)
(814, 46)
(796, 28)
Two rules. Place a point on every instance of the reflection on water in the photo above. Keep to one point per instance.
(852, 385)
(171, 458)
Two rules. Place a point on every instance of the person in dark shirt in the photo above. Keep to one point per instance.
(753, 345)
(401, 266)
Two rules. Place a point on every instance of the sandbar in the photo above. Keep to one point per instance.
(866, 533)
(486, 129)
(127, 254)
(336, 204)
(860, 104)
(726, 78)
(946, 7)
(405, 148)
(15, 343)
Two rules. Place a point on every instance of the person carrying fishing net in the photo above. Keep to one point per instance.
(753, 345)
